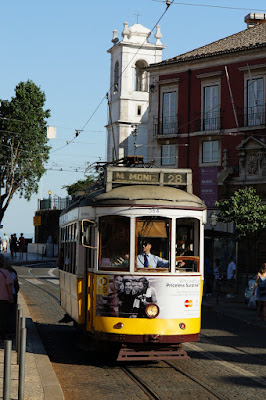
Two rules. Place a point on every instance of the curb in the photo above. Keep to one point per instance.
(51, 387)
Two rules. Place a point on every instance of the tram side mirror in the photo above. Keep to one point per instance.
(87, 233)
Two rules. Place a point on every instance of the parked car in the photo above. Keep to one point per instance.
(249, 289)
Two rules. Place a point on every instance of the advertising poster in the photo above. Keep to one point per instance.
(208, 189)
(128, 296)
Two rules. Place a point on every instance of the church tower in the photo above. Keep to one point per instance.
(127, 129)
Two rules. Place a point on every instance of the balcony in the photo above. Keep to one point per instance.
(251, 116)
(207, 121)
(54, 203)
(165, 126)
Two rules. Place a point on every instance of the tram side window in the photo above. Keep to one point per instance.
(114, 243)
(67, 257)
(153, 242)
(187, 245)
(86, 239)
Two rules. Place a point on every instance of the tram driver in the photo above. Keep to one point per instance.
(149, 260)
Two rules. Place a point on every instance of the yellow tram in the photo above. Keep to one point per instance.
(133, 261)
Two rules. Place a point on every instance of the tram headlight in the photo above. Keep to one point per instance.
(119, 325)
(152, 310)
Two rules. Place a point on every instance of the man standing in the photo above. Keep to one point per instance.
(231, 275)
(21, 244)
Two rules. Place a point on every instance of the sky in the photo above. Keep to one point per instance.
(61, 45)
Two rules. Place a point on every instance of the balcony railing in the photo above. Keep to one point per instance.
(252, 116)
(165, 126)
(207, 121)
(54, 203)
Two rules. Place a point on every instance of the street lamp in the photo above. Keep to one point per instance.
(213, 219)
(49, 192)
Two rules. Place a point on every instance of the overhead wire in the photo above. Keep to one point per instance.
(210, 6)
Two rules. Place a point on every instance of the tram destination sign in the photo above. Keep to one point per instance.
(131, 176)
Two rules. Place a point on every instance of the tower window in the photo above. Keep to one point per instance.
(116, 77)
(139, 110)
(141, 81)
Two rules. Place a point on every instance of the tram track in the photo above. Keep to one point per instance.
(154, 396)
(37, 286)
(196, 380)
(141, 384)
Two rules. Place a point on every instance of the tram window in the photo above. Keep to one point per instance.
(187, 245)
(153, 242)
(114, 243)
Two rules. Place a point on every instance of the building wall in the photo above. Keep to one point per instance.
(217, 180)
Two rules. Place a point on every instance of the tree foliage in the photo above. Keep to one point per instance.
(80, 185)
(246, 210)
(23, 143)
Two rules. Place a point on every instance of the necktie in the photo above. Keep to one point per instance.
(146, 262)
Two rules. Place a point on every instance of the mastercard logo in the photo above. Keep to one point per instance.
(188, 303)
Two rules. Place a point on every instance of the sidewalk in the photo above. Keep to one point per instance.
(28, 258)
(234, 308)
(41, 382)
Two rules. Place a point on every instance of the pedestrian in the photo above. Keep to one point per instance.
(260, 292)
(231, 276)
(21, 244)
(218, 276)
(15, 241)
(6, 298)
(12, 246)
(13, 305)
(5, 242)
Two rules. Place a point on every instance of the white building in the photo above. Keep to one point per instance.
(127, 129)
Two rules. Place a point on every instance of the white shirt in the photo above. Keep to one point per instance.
(153, 261)
(230, 270)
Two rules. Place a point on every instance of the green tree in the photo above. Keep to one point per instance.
(80, 185)
(246, 210)
(23, 143)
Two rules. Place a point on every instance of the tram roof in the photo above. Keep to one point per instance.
(150, 195)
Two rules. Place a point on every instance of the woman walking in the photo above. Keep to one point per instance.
(260, 292)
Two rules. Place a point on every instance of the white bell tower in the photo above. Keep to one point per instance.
(127, 129)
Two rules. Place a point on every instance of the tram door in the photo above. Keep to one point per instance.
(87, 232)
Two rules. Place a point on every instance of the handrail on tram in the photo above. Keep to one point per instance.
(86, 233)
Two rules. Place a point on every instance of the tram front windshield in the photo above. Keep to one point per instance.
(152, 244)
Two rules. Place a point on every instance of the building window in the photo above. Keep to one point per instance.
(141, 81)
(255, 102)
(139, 110)
(210, 151)
(211, 109)
(168, 154)
(116, 77)
(169, 114)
